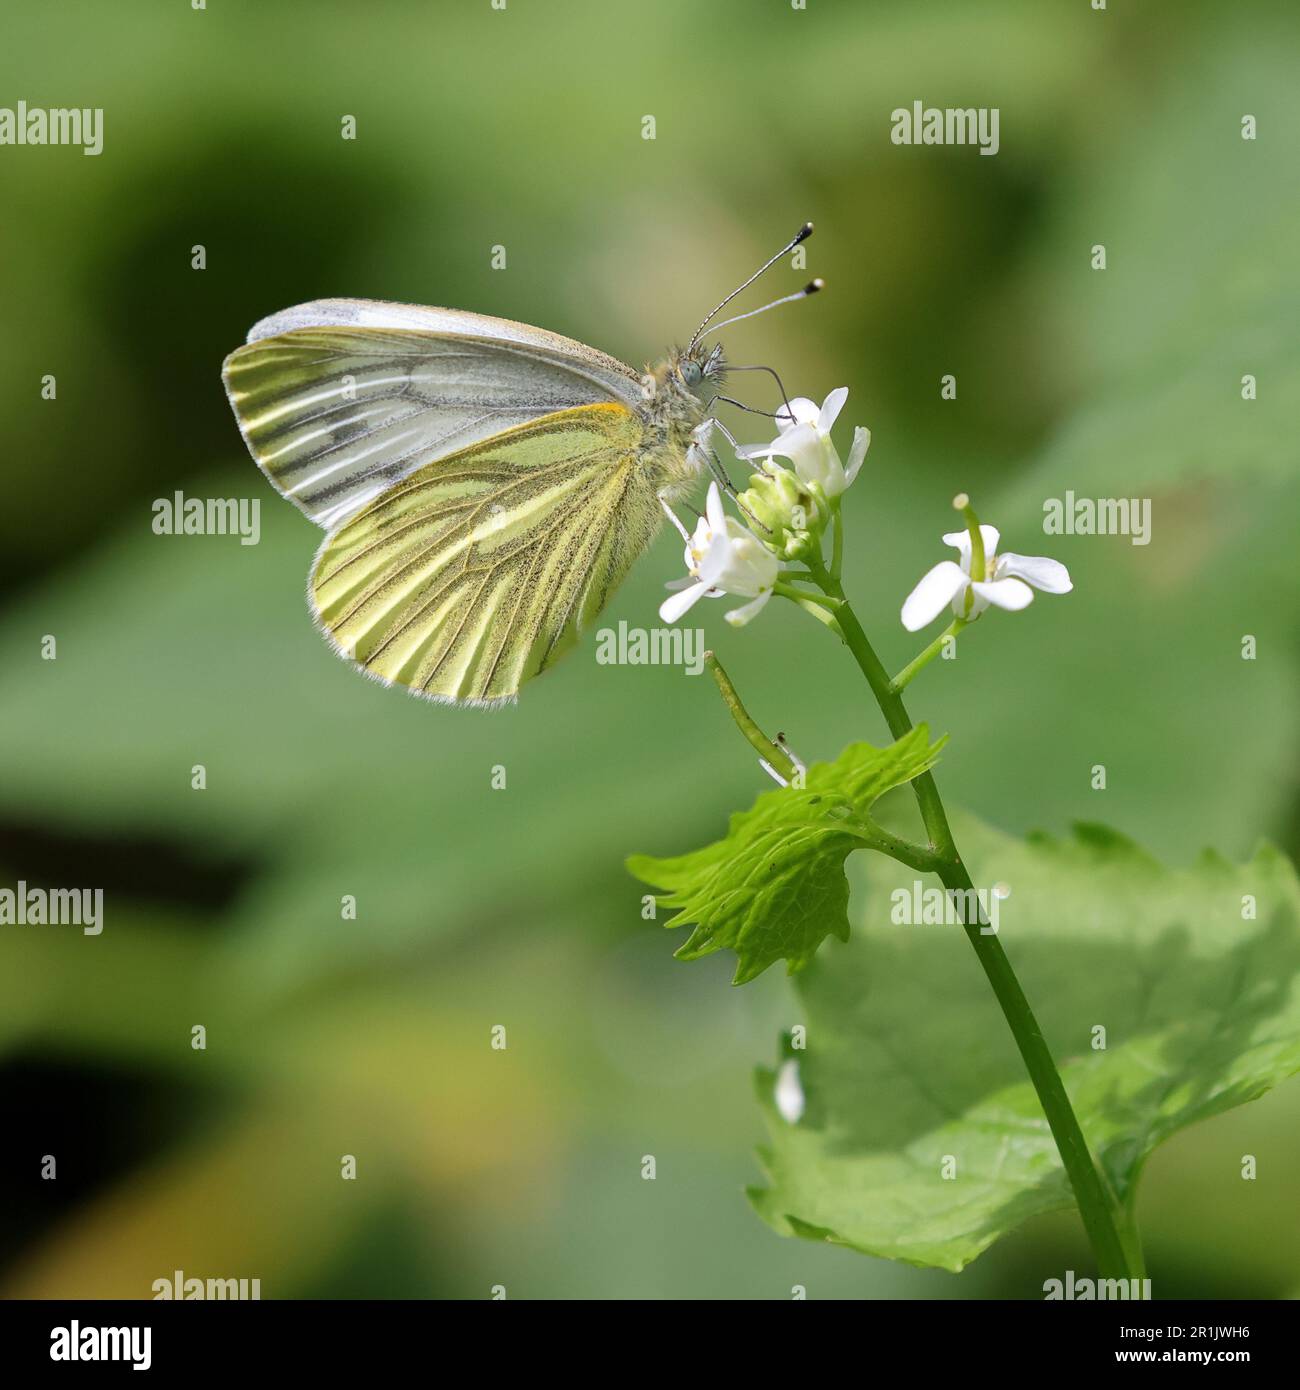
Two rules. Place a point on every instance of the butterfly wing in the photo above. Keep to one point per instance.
(479, 570)
(340, 399)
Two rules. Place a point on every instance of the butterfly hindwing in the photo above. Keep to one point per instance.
(478, 570)
(340, 399)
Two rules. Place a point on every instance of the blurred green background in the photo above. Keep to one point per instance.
(477, 907)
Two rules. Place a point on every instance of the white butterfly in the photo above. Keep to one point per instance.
(483, 485)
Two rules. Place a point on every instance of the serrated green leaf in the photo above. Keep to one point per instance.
(909, 1064)
(774, 889)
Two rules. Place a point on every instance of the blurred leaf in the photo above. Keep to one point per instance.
(1202, 287)
(774, 889)
(908, 1063)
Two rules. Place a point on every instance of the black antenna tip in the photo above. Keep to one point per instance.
(814, 285)
(804, 233)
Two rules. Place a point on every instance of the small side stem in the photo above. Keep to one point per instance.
(818, 605)
(770, 752)
(802, 597)
(919, 663)
(876, 837)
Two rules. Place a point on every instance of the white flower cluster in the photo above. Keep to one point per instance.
(791, 503)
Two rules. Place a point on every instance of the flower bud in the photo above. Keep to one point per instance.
(787, 516)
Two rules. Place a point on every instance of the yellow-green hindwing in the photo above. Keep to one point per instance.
(479, 570)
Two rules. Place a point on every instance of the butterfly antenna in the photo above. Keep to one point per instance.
(812, 287)
(802, 234)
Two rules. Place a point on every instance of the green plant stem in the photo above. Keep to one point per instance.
(837, 543)
(801, 597)
(919, 663)
(770, 752)
(1109, 1227)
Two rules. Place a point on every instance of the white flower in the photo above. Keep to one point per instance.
(723, 557)
(1008, 582)
(805, 439)
(788, 1092)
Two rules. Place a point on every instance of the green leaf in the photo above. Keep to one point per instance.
(909, 1063)
(775, 888)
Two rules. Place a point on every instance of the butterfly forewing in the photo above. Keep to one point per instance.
(338, 400)
(479, 569)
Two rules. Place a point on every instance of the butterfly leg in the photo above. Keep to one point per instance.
(780, 386)
(672, 516)
(735, 497)
(719, 472)
(740, 405)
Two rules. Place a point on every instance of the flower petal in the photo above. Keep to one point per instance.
(861, 443)
(738, 617)
(789, 1092)
(717, 559)
(674, 607)
(1048, 575)
(795, 440)
(831, 408)
(938, 588)
(961, 540)
(1010, 594)
(713, 510)
(698, 544)
(806, 412)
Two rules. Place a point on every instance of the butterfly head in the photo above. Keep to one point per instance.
(697, 368)
(682, 387)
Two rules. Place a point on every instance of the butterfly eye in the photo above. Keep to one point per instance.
(690, 372)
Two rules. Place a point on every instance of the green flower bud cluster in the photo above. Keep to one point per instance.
(788, 516)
